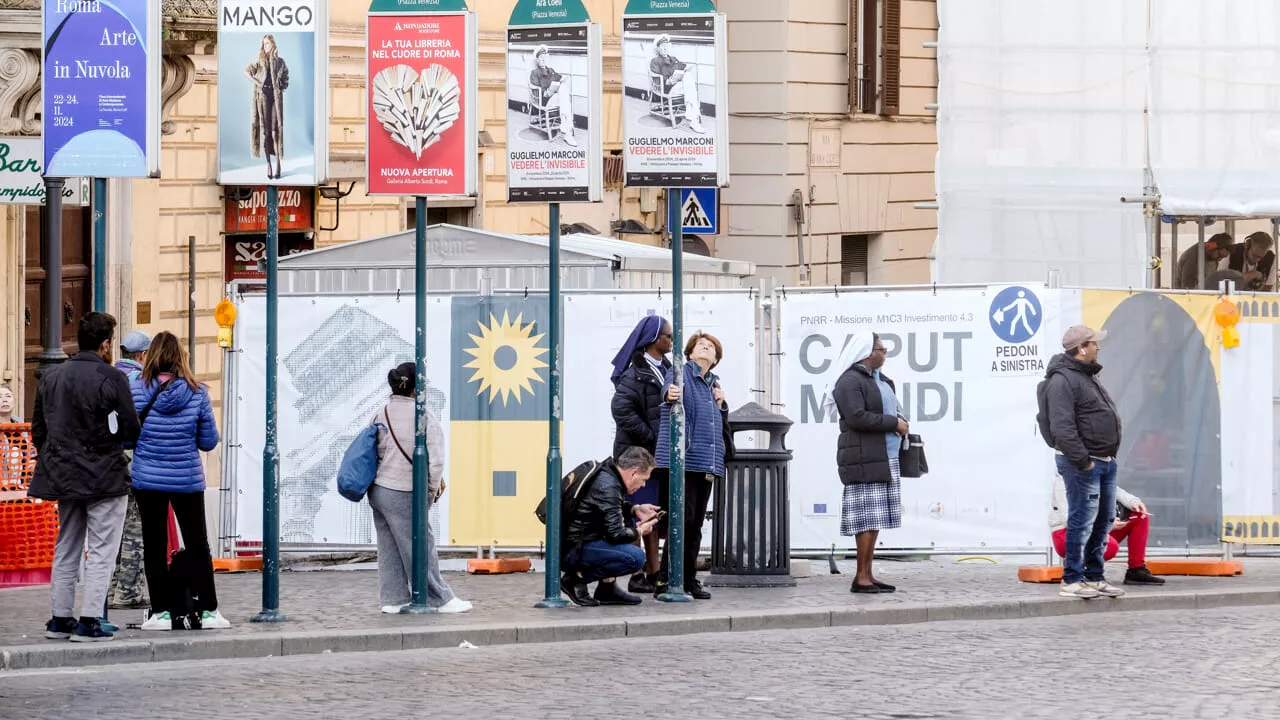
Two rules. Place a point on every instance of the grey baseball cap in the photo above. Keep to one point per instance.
(136, 341)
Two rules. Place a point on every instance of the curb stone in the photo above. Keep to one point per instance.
(49, 656)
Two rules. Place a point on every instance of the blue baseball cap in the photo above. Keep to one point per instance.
(135, 342)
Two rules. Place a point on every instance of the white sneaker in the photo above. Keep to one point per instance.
(213, 621)
(158, 621)
(1106, 589)
(455, 606)
(393, 609)
(1078, 590)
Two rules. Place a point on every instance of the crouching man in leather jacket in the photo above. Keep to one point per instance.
(598, 537)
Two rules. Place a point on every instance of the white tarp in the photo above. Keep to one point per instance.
(1040, 132)
(966, 364)
(1215, 106)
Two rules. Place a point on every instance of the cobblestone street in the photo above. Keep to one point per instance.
(1176, 664)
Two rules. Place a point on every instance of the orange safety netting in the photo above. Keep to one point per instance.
(28, 527)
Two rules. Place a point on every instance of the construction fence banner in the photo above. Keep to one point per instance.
(1199, 421)
(487, 382)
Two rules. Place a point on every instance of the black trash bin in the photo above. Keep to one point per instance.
(750, 521)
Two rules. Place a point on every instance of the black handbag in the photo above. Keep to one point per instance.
(911, 460)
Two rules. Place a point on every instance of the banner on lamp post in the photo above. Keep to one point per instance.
(554, 103)
(675, 95)
(422, 68)
(273, 92)
(101, 88)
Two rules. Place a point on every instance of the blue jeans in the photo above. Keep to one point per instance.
(598, 560)
(1091, 508)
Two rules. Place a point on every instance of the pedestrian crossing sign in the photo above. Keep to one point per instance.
(700, 211)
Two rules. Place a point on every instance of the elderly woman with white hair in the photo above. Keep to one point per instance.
(871, 433)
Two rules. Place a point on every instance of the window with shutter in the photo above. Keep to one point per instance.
(853, 259)
(875, 56)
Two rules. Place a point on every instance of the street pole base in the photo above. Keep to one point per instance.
(552, 604)
(675, 596)
(269, 616)
(412, 609)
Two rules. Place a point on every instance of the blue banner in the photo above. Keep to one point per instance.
(101, 88)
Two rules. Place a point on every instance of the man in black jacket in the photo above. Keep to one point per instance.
(598, 539)
(1085, 428)
(83, 418)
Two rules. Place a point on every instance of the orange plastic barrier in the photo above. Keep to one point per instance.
(1196, 566)
(498, 566)
(1040, 573)
(28, 527)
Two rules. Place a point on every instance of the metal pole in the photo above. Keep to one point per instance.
(675, 525)
(51, 239)
(191, 301)
(551, 595)
(99, 201)
(1200, 254)
(419, 606)
(1174, 256)
(271, 452)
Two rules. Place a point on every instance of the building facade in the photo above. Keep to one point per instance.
(832, 108)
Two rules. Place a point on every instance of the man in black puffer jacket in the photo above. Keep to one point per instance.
(1085, 429)
(638, 379)
(598, 539)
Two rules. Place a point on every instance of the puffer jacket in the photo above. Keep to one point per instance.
(179, 427)
(1082, 417)
(704, 424)
(637, 406)
(861, 453)
(602, 514)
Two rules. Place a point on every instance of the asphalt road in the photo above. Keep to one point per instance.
(1184, 664)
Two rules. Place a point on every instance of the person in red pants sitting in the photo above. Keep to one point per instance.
(1135, 529)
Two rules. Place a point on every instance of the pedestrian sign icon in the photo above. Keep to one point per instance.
(699, 211)
(1016, 315)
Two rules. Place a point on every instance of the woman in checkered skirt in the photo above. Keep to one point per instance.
(871, 433)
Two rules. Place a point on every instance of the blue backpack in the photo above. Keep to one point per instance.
(359, 465)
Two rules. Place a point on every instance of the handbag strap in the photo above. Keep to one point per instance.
(142, 417)
(391, 429)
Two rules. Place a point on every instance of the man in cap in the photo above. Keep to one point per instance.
(553, 88)
(1085, 431)
(132, 351)
(128, 583)
(675, 73)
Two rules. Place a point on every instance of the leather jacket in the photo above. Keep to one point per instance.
(602, 514)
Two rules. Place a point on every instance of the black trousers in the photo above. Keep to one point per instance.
(697, 495)
(188, 509)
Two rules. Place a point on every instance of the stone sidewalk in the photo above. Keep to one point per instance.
(337, 611)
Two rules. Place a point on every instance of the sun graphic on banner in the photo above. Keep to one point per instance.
(507, 358)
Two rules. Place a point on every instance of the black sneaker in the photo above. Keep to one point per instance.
(608, 593)
(60, 628)
(641, 583)
(697, 591)
(576, 590)
(1141, 576)
(90, 630)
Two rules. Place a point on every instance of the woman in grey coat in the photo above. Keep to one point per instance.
(391, 498)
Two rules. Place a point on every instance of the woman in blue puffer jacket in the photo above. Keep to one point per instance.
(706, 448)
(177, 425)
